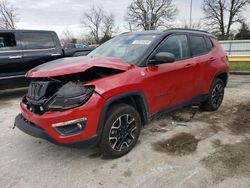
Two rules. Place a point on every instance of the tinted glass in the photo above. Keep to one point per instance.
(177, 45)
(198, 45)
(37, 41)
(129, 48)
(7, 42)
(209, 43)
(80, 46)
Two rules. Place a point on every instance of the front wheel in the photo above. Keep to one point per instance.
(215, 96)
(121, 131)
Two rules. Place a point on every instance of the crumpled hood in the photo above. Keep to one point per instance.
(73, 65)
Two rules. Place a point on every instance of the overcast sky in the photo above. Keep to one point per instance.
(60, 14)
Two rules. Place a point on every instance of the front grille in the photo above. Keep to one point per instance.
(37, 90)
(38, 93)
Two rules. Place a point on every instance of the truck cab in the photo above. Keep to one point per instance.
(21, 50)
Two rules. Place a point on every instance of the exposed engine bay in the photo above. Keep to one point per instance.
(63, 92)
(51, 95)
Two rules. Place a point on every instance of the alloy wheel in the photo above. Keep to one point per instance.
(122, 132)
(217, 95)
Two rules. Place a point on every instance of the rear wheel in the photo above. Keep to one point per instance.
(121, 131)
(215, 96)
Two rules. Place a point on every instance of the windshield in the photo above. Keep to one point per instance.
(129, 48)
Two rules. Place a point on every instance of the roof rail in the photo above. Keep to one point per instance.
(125, 33)
(183, 29)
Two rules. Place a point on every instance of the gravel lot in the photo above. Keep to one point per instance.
(187, 148)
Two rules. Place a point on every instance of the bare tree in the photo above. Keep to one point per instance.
(194, 25)
(67, 36)
(88, 39)
(221, 15)
(131, 27)
(150, 14)
(108, 27)
(93, 20)
(8, 15)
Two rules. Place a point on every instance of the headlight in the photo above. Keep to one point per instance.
(69, 96)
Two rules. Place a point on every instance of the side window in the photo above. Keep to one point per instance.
(177, 45)
(7, 42)
(198, 45)
(33, 41)
(209, 44)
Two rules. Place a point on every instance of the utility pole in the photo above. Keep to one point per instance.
(191, 11)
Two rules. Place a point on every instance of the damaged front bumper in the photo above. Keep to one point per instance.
(69, 127)
(38, 132)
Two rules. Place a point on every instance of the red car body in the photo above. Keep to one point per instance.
(154, 88)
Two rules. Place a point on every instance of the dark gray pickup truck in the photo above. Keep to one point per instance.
(22, 50)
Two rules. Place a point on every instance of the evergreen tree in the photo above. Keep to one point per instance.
(244, 32)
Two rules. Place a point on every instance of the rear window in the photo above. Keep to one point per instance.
(209, 43)
(198, 45)
(33, 41)
(7, 42)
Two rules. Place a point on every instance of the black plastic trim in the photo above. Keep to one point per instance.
(195, 100)
(219, 73)
(71, 129)
(30, 128)
(143, 60)
(36, 131)
(148, 117)
(164, 40)
(106, 106)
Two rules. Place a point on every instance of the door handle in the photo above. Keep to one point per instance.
(55, 54)
(15, 57)
(188, 66)
(212, 59)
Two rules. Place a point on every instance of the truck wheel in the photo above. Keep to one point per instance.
(215, 96)
(121, 131)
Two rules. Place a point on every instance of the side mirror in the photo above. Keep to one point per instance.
(161, 58)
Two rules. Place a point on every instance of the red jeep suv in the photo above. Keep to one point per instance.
(106, 97)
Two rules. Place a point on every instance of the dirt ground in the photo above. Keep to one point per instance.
(186, 148)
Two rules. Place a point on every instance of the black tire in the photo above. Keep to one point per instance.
(215, 97)
(121, 131)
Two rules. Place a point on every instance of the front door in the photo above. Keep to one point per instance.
(172, 83)
(38, 48)
(11, 56)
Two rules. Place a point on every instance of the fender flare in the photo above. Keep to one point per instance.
(118, 97)
(216, 75)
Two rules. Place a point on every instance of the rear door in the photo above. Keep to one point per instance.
(39, 48)
(201, 46)
(11, 56)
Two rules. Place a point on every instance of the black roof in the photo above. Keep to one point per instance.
(194, 31)
(144, 32)
(173, 30)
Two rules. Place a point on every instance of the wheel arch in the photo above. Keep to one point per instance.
(223, 76)
(136, 99)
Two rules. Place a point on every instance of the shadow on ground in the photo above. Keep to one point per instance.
(12, 94)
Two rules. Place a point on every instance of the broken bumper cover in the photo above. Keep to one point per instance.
(36, 131)
(51, 125)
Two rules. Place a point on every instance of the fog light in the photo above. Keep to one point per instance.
(68, 122)
(70, 127)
